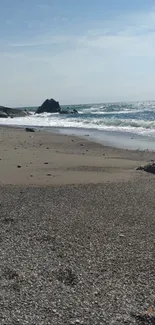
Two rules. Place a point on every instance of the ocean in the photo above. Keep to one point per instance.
(126, 124)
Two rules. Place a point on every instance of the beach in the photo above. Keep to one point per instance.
(76, 231)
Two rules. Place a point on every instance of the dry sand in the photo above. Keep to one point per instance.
(80, 250)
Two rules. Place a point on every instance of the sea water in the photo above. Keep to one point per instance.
(126, 124)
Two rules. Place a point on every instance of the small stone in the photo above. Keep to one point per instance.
(19, 166)
(140, 168)
(48, 174)
(30, 130)
(45, 163)
(47, 148)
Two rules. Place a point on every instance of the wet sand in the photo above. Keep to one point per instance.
(52, 159)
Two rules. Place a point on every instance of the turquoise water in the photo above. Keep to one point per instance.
(130, 120)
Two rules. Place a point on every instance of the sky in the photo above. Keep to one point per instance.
(85, 51)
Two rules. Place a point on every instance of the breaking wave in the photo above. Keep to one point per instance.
(127, 117)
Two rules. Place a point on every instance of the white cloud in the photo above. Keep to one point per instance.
(112, 62)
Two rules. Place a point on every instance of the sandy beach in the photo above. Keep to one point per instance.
(76, 231)
(42, 158)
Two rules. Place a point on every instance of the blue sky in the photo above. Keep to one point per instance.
(76, 51)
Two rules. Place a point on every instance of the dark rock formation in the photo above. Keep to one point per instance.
(64, 112)
(49, 106)
(3, 115)
(13, 112)
(52, 106)
(74, 111)
(150, 168)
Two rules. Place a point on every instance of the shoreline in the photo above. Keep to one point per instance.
(114, 139)
(46, 158)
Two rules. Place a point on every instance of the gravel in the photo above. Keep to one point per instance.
(77, 254)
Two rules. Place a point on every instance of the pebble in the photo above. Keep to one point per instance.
(19, 166)
(48, 174)
(122, 236)
(45, 163)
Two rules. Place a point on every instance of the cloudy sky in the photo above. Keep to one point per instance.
(83, 51)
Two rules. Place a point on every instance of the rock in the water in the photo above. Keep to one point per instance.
(52, 106)
(30, 130)
(74, 111)
(49, 106)
(64, 112)
(149, 168)
(13, 112)
(3, 115)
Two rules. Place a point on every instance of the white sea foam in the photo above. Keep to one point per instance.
(143, 127)
(138, 118)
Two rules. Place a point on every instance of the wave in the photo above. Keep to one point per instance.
(111, 124)
(109, 108)
(105, 112)
(138, 118)
(118, 109)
